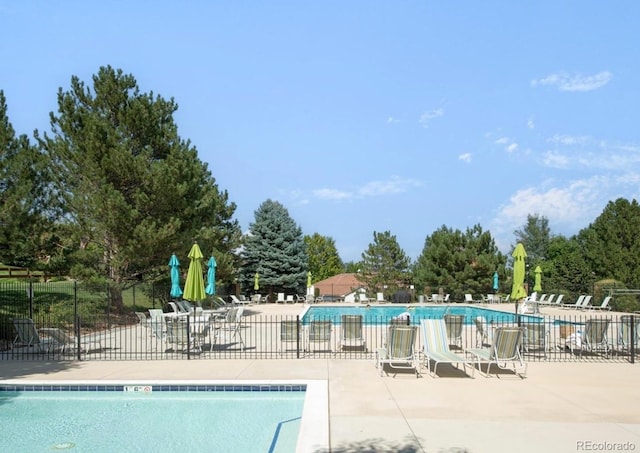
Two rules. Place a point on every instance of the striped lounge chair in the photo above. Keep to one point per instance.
(399, 351)
(505, 350)
(436, 345)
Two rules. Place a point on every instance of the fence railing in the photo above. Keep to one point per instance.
(217, 335)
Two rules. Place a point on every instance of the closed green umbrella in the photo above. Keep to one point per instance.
(309, 279)
(517, 290)
(211, 276)
(256, 282)
(194, 285)
(537, 284)
(174, 271)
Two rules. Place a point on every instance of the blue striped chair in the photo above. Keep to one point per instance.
(436, 345)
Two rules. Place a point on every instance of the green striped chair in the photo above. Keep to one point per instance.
(399, 352)
(505, 350)
(436, 346)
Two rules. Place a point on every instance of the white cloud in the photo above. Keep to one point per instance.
(466, 157)
(393, 185)
(426, 117)
(332, 194)
(392, 120)
(569, 140)
(575, 82)
(531, 124)
(555, 160)
(509, 145)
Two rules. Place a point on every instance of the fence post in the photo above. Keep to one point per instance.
(76, 321)
(30, 298)
(632, 338)
(188, 337)
(297, 336)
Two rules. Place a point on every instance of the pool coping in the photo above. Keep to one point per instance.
(313, 434)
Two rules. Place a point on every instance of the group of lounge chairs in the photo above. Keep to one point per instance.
(30, 339)
(188, 329)
(399, 353)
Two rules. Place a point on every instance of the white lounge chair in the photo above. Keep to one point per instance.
(399, 352)
(483, 334)
(454, 325)
(604, 305)
(436, 346)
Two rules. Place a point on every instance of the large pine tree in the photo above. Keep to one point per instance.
(275, 249)
(25, 220)
(133, 191)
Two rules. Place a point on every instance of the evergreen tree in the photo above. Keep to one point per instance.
(535, 237)
(132, 190)
(275, 249)
(324, 260)
(611, 244)
(566, 271)
(26, 222)
(384, 263)
(459, 262)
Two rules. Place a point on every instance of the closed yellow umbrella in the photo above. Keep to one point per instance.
(517, 289)
(256, 282)
(194, 285)
(537, 285)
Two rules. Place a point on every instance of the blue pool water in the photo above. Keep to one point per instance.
(158, 421)
(383, 314)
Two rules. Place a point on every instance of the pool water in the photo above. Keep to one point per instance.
(157, 421)
(383, 314)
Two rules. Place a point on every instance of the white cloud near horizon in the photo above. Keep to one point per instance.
(393, 185)
(576, 82)
(426, 117)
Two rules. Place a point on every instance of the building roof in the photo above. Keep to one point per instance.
(338, 285)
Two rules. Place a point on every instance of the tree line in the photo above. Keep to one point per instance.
(111, 191)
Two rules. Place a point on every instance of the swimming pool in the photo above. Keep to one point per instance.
(382, 314)
(161, 416)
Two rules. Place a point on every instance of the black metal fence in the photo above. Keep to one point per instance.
(73, 322)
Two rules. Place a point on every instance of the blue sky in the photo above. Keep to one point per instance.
(366, 116)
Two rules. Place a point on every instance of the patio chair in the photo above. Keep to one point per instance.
(399, 352)
(624, 332)
(231, 324)
(352, 338)
(604, 305)
(576, 304)
(483, 334)
(144, 321)
(319, 334)
(593, 338)
(436, 346)
(178, 334)
(28, 336)
(289, 299)
(281, 299)
(454, 324)
(505, 350)
(157, 324)
(67, 343)
(291, 336)
(536, 337)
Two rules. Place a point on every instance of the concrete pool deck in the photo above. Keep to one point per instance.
(559, 407)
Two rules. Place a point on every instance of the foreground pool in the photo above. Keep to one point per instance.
(159, 417)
